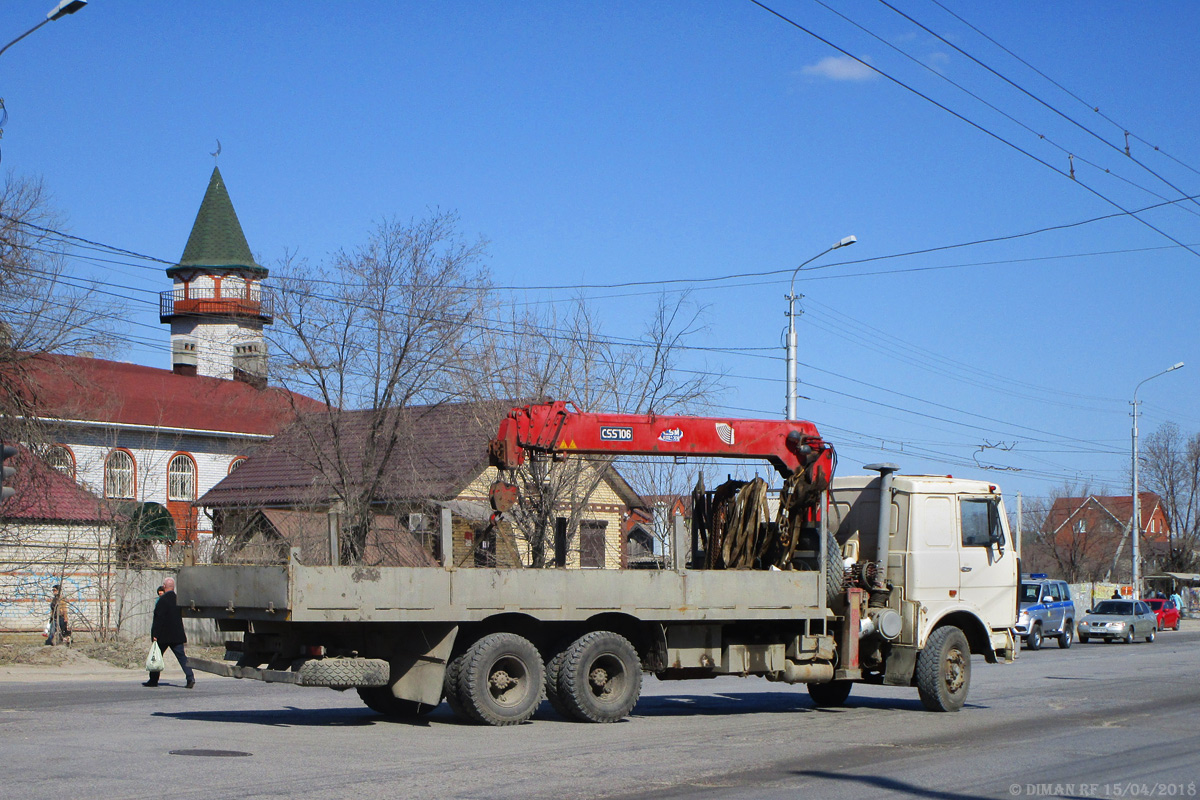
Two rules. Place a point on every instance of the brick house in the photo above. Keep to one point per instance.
(1086, 538)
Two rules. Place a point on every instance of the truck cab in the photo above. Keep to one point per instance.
(950, 557)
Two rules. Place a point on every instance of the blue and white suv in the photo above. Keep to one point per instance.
(1046, 609)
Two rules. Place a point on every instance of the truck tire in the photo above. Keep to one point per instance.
(453, 691)
(830, 695)
(600, 679)
(501, 679)
(553, 670)
(381, 700)
(344, 673)
(835, 569)
(944, 670)
(1067, 637)
(1033, 640)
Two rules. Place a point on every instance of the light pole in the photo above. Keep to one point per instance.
(791, 335)
(61, 10)
(1136, 523)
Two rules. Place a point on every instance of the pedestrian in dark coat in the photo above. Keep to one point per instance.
(167, 630)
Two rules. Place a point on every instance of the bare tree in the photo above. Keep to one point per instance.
(391, 323)
(1171, 469)
(547, 353)
(42, 309)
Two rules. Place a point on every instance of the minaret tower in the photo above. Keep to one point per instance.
(218, 307)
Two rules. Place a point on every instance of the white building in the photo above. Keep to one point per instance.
(149, 441)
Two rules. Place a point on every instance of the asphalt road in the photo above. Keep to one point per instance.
(1094, 721)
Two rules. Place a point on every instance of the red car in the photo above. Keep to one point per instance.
(1167, 613)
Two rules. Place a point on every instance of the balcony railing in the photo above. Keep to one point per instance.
(224, 302)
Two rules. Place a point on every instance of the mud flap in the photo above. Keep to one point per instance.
(418, 676)
(901, 664)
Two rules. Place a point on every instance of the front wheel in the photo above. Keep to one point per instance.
(830, 695)
(944, 670)
(1033, 640)
(1083, 637)
(1150, 638)
(1066, 638)
(1129, 635)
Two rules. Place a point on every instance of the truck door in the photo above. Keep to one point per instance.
(986, 560)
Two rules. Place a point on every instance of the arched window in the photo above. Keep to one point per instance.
(62, 459)
(120, 475)
(237, 462)
(181, 478)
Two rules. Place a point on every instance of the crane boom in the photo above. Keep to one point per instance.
(557, 427)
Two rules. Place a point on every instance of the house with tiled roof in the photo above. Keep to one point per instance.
(67, 533)
(287, 495)
(1087, 538)
(153, 440)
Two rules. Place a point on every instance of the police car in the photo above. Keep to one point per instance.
(1046, 609)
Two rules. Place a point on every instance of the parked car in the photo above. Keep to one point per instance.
(1167, 613)
(1119, 619)
(1046, 609)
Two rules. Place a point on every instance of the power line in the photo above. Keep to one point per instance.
(971, 123)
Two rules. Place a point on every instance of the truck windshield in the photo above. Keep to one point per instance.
(1114, 608)
(1031, 592)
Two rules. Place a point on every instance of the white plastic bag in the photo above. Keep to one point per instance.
(154, 661)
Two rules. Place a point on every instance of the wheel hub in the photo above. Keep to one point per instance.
(955, 671)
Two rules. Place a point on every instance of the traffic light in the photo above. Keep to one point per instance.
(7, 473)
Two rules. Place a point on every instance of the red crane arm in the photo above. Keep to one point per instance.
(556, 427)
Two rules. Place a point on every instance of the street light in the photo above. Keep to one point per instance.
(791, 337)
(1136, 523)
(61, 10)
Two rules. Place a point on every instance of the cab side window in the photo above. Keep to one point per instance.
(980, 519)
(1055, 592)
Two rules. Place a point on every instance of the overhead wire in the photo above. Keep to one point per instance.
(982, 129)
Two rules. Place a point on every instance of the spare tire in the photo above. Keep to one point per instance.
(835, 569)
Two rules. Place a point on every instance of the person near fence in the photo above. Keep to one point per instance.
(167, 630)
(58, 628)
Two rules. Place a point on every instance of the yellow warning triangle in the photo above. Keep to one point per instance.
(564, 445)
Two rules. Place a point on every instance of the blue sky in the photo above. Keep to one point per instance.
(609, 143)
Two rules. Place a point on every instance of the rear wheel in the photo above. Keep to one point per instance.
(1067, 637)
(944, 670)
(830, 695)
(600, 679)
(453, 692)
(501, 679)
(553, 669)
(1033, 640)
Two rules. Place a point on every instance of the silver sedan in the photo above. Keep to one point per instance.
(1119, 619)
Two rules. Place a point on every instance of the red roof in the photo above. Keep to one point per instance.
(77, 388)
(44, 493)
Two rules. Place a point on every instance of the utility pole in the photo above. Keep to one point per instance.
(1135, 524)
(791, 335)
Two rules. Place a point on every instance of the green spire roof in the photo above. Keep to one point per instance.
(217, 239)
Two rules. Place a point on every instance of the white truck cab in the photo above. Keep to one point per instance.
(950, 556)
